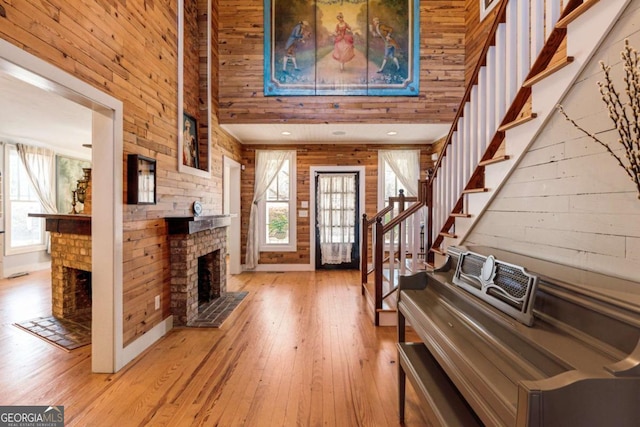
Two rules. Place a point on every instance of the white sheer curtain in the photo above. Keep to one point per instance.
(268, 163)
(406, 165)
(40, 164)
(336, 201)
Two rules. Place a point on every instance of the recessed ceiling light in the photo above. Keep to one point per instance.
(285, 133)
(338, 132)
(392, 132)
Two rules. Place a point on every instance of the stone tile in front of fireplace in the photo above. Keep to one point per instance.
(214, 313)
(66, 334)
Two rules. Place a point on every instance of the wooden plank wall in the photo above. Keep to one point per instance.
(242, 100)
(129, 50)
(308, 155)
(476, 34)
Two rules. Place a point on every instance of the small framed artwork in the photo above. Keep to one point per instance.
(141, 180)
(190, 154)
(486, 6)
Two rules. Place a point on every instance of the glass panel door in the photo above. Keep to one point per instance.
(337, 225)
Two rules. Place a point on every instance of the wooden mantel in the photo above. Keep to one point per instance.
(66, 223)
(195, 224)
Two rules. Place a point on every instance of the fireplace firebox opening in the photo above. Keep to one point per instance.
(78, 295)
(209, 277)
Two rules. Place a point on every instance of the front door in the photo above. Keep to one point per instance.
(336, 220)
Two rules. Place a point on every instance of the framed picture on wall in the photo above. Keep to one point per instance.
(345, 47)
(486, 6)
(190, 142)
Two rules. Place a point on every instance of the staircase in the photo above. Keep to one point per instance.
(533, 55)
(497, 123)
(397, 238)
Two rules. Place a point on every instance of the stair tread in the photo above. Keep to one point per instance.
(388, 304)
(517, 122)
(461, 215)
(582, 8)
(548, 71)
(493, 160)
(475, 190)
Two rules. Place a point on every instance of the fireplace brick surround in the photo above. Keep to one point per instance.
(191, 238)
(70, 253)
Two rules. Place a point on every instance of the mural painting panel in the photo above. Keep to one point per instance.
(342, 47)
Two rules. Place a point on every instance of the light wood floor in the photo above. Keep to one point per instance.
(299, 350)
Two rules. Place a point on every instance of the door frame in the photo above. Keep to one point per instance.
(107, 351)
(360, 170)
(231, 206)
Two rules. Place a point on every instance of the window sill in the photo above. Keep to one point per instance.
(278, 248)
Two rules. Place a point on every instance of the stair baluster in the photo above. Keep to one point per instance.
(516, 38)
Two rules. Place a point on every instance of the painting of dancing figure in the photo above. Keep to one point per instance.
(346, 47)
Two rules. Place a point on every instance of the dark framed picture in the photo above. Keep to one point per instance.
(190, 154)
(141, 180)
(342, 47)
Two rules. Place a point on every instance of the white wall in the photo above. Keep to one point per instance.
(25, 263)
(569, 201)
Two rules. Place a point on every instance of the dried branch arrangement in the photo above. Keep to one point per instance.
(625, 114)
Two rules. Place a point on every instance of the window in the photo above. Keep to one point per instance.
(24, 234)
(278, 211)
(392, 184)
(398, 170)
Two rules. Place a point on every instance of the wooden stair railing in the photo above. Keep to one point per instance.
(367, 224)
(476, 138)
(379, 230)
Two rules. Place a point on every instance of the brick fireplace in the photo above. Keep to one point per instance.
(70, 264)
(198, 246)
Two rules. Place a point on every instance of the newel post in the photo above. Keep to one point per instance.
(379, 257)
(364, 252)
(402, 250)
(429, 256)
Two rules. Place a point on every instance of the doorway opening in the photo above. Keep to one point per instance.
(106, 140)
(337, 200)
(231, 207)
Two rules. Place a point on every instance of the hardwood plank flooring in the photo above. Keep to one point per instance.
(300, 350)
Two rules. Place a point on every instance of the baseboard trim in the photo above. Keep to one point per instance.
(136, 348)
(6, 272)
(279, 267)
